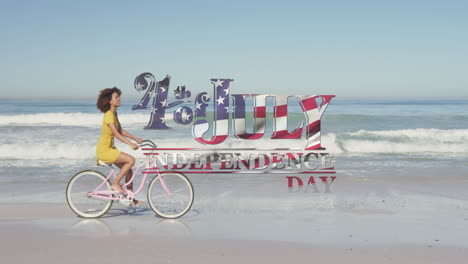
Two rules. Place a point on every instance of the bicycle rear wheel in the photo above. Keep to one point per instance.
(79, 196)
(170, 195)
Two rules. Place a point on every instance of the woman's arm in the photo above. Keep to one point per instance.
(126, 134)
(120, 137)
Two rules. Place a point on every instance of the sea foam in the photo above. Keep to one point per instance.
(424, 141)
(68, 119)
(414, 141)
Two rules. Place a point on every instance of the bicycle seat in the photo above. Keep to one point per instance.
(102, 163)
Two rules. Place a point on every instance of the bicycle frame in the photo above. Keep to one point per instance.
(108, 194)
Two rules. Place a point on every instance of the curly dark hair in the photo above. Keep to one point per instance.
(103, 101)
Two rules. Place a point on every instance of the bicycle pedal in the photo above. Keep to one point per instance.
(125, 200)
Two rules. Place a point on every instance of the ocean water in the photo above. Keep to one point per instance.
(423, 132)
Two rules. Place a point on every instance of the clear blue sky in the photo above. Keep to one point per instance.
(64, 49)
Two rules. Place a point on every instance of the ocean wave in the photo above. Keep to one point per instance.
(95, 119)
(68, 119)
(47, 151)
(423, 141)
(425, 118)
(363, 142)
(142, 118)
(51, 150)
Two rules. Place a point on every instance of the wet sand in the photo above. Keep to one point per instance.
(50, 233)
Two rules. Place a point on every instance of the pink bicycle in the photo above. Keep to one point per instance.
(170, 194)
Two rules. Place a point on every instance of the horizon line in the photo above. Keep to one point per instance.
(337, 97)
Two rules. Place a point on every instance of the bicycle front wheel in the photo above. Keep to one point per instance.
(80, 196)
(170, 195)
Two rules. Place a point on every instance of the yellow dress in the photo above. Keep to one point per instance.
(105, 149)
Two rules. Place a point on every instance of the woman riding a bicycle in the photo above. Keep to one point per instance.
(108, 102)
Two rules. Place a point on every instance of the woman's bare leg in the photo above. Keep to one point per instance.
(125, 162)
(128, 177)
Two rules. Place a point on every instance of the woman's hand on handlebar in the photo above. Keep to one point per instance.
(134, 146)
(139, 141)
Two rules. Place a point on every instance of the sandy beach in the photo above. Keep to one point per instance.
(362, 220)
(49, 233)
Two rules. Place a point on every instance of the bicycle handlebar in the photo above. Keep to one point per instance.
(147, 143)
